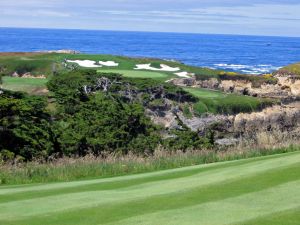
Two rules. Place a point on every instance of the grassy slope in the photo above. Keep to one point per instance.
(293, 68)
(218, 102)
(45, 63)
(127, 63)
(29, 85)
(253, 191)
(30, 62)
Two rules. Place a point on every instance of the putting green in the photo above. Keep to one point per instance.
(137, 74)
(252, 191)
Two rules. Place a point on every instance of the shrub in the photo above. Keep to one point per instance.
(24, 123)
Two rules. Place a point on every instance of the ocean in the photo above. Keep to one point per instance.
(247, 54)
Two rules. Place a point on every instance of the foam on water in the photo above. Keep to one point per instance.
(248, 69)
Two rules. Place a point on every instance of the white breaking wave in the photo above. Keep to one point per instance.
(256, 69)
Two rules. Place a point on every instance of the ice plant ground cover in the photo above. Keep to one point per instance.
(257, 191)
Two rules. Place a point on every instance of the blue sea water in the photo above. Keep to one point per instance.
(248, 54)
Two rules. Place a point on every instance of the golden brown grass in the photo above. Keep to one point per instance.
(109, 165)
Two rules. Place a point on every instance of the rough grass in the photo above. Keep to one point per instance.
(70, 169)
(253, 191)
(293, 69)
(29, 85)
(35, 63)
(211, 101)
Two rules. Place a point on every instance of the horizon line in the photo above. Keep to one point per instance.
(139, 31)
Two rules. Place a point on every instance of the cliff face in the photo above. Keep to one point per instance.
(292, 84)
(284, 118)
(281, 118)
(285, 88)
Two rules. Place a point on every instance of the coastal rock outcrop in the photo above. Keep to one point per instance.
(291, 83)
(29, 75)
(281, 118)
(285, 88)
(167, 119)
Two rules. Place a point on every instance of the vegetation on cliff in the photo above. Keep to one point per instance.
(293, 69)
(68, 111)
(91, 112)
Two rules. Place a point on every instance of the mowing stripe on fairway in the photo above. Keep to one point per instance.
(127, 200)
(154, 203)
(287, 217)
(228, 211)
(186, 178)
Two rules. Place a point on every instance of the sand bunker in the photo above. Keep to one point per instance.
(184, 74)
(163, 67)
(108, 63)
(85, 63)
(91, 63)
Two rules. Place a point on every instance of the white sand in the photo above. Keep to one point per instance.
(168, 68)
(108, 63)
(163, 68)
(90, 63)
(85, 63)
(184, 74)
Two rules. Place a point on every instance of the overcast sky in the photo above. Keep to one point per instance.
(257, 17)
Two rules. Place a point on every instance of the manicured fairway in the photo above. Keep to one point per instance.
(29, 85)
(137, 74)
(254, 191)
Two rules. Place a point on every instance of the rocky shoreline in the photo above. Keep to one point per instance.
(286, 87)
(284, 117)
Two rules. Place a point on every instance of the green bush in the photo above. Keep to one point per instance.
(187, 140)
(24, 125)
(186, 111)
(231, 104)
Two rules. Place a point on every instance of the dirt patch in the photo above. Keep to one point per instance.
(28, 75)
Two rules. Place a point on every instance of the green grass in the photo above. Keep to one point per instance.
(35, 63)
(47, 63)
(253, 191)
(211, 101)
(86, 168)
(205, 93)
(29, 85)
(136, 74)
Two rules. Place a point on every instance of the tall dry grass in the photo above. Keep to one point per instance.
(108, 165)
